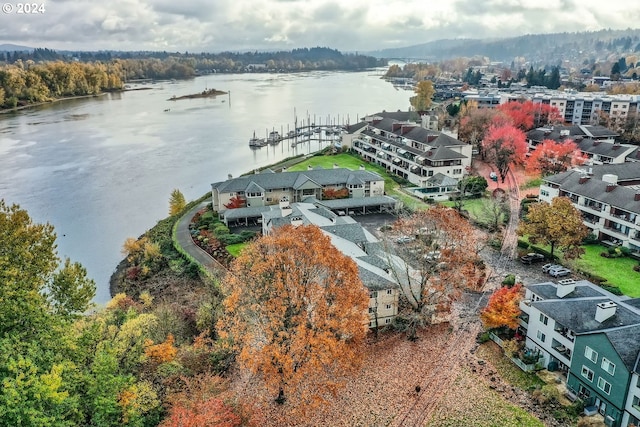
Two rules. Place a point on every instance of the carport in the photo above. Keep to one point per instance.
(360, 205)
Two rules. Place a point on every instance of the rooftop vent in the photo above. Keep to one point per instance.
(565, 287)
(605, 310)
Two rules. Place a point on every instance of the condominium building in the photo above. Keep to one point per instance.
(421, 156)
(591, 336)
(575, 107)
(607, 196)
(352, 240)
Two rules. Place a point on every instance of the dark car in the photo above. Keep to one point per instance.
(531, 258)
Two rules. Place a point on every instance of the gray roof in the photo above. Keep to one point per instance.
(621, 196)
(579, 314)
(548, 290)
(254, 188)
(624, 171)
(352, 232)
(250, 212)
(633, 302)
(626, 342)
(556, 133)
(441, 180)
(604, 148)
(357, 202)
(375, 281)
(439, 151)
(270, 181)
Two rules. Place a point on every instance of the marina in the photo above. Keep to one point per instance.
(307, 131)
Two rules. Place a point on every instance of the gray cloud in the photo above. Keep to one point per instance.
(205, 25)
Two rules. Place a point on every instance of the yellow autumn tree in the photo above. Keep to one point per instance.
(296, 313)
(176, 202)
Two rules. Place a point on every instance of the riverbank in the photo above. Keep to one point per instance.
(38, 104)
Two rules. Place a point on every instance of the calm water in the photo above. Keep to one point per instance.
(102, 169)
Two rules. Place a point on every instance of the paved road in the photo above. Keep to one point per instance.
(184, 239)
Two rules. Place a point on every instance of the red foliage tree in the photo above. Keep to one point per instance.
(527, 115)
(504, 146)
(236, 202)
(503, 308)
(552, 157)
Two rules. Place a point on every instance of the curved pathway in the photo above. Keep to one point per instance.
(183, 237)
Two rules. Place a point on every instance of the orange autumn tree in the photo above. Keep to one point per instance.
(503, 308)
(551, 157)
(433, 269)
(296, 313)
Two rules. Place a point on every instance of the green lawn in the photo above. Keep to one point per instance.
(617, 271)
(349, 161)
(235, 249)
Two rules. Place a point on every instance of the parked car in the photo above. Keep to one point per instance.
(530, 258)
(547, 267)
(404, 239)
(560, 272)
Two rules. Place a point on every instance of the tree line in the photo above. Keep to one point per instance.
(44, 75)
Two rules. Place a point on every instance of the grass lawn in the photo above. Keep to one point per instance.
(617, 271)
(235, 249)
(349, 161)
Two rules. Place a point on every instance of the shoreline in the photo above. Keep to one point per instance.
(53, 101)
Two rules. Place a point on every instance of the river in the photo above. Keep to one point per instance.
(102, 169)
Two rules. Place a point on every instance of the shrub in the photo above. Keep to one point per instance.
(591, 239)
(247, 234)
(509, 280)
(230, 239)
(483, 337)
(611, 288)
(220, 230)
(523, 244)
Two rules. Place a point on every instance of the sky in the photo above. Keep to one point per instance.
(346, 25)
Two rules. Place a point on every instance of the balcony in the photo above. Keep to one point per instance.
(563, 351)
(565, 332)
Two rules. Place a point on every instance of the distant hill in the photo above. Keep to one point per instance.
(14, 48)
(546, 49)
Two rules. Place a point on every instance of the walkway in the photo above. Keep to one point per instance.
(183, 237)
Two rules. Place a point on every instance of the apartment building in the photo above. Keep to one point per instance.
(256, 193)
(591, 336)
(596, 143)
(607, 196)
(575, 107)
(419, 155)
(352, 240)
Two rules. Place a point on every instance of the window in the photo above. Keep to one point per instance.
(373, 309)
(636, 403)
(587, 373)
(608, 366)
(373, 294)
(430, 173)
(541, 336)
(389, 291)
(544, 193)
(388, 306)
(387, 321)
(590, 354)
(544, 319)
(457, 171)
(604, 385)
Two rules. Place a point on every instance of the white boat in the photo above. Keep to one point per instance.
(274, 137)
(257, 142)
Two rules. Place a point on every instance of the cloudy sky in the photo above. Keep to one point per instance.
(347, 25)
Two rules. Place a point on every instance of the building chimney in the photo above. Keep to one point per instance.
(335, 166)
(309, 167)
(583, 179)
(636, 197)
(605, 310)
(285, 208)
(361, 167)
(284, 169)
(596, 142)
(565, 287)
(296, 221)
(229, 176)
(615, 146)
(610, 188)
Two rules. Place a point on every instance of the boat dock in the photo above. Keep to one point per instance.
(307, 131)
